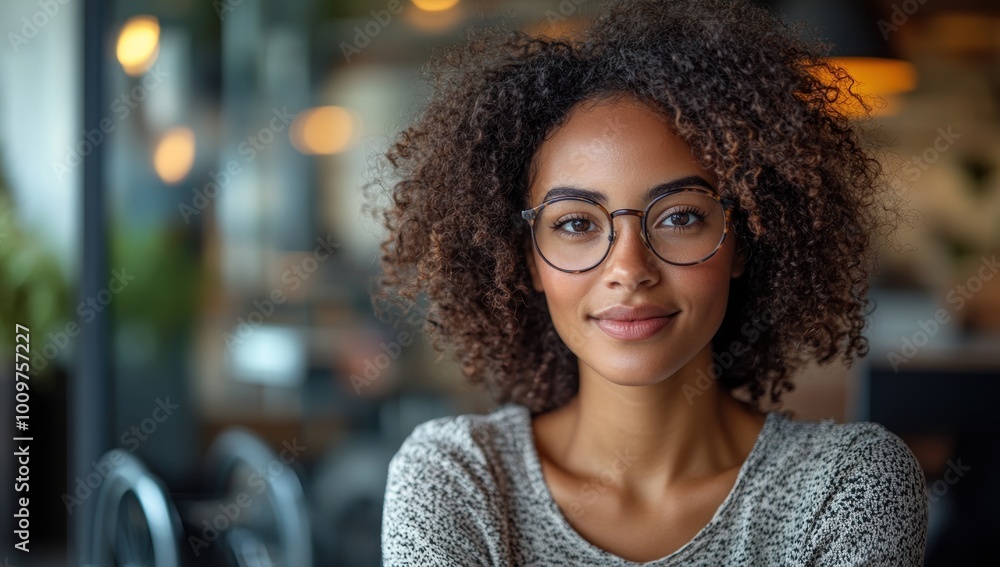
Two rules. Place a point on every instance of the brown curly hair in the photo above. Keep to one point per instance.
(759, 107)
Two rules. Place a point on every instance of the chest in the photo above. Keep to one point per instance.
(637, 531)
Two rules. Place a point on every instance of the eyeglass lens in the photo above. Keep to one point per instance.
(683, 228)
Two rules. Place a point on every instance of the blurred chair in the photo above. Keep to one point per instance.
(252, 512)
(136, 522)
(257, 506)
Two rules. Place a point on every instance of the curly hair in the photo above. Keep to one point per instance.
(760, 108)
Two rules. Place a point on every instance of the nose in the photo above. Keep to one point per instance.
(630, 263)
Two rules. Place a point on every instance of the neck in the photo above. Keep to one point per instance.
(657, 438)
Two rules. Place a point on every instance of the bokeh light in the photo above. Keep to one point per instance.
(323, 130)
(138, 44)
(434, 5)
(174, 155)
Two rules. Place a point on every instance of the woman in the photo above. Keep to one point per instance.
(631, 238)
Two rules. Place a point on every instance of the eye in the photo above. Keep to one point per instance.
(574, 225)
(681, 219)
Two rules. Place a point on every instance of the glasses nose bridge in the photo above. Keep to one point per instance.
(629, 212)
(622, 212)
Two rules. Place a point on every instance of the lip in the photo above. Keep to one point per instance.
(633, 312)
(634, 323)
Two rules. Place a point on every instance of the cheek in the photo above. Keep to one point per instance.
(706, 286)
(565, 293)
(705, 290)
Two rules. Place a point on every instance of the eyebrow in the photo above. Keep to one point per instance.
(649, 195)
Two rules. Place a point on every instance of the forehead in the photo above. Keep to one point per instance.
(620, 148)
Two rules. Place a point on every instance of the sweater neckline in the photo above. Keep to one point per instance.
(541, 489)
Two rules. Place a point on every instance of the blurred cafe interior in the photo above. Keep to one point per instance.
(182, 229)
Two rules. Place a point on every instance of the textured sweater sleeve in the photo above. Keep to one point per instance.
(876, 513)
(441, 506)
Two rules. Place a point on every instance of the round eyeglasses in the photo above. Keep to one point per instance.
(682, 227)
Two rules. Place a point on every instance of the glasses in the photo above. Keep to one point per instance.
(682, 227)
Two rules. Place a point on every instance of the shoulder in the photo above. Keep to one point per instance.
(442, 502)
(831, 447)
(839, 448)
(866, 489)
(461, 455)
(875, 471)
(809, 466)
(850, 460)
(469, 439)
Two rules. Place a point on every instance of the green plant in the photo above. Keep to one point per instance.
(33, 292)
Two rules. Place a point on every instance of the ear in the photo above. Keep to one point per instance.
(529, 254)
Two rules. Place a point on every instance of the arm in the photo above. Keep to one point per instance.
(440, 509)
(876, 513)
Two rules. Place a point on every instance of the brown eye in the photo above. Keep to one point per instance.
(577, 225)
(574, 226)
(679, 219)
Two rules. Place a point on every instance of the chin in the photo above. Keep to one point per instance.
(634, 371)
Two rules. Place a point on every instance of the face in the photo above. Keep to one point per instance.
(621, 150)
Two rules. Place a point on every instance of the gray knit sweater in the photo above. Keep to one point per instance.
(469, 490)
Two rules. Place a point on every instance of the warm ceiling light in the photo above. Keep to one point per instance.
(876, 78)
(434, 5)
(174, 155)
(323, 130)
(433, 21)
(138, 44)
(880, 76)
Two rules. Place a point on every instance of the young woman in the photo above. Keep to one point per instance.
(630, 238)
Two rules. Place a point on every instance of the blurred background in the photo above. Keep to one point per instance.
(181, 234)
